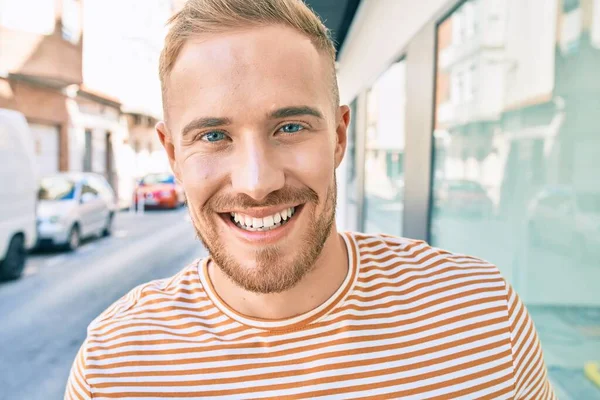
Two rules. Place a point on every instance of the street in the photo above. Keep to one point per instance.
(44, 315)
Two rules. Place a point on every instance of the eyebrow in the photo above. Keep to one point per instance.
(295, 112)
(201, 123)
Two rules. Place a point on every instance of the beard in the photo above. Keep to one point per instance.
(275, 269)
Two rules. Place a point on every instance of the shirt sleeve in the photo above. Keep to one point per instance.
(77, 386)
(531, 375)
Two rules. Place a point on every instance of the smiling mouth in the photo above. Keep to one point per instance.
(268, 223)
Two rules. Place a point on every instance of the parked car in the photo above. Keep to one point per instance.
(74, 206)
(18, 183)
(159, 191)
(566, 220)
(462, 198)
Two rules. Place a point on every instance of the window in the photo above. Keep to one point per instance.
(516, 173)
(471, 82)
(470, 22)
(456, 92)
(88, 188)
(56, 188)
(595, 28)
(457, 28)
(352, 175)
(384, 153)
(101, 186)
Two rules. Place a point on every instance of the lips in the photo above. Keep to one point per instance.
(253, 233)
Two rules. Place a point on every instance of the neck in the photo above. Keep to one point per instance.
(314, 289)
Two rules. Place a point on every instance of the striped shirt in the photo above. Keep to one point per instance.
(409, 321)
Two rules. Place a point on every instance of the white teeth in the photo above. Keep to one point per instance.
(263, 224)
(268, 221)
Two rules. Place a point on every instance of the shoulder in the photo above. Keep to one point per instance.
(417, 252)
(415, 266)
(149, 301)
(380, 242)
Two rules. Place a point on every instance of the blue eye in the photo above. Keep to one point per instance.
(291, 128)
(213, 136)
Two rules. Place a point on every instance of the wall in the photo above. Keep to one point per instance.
(147, 151)
(32, 47)
(101, 119)
(39, 105)
(530, 57)
(377, 36)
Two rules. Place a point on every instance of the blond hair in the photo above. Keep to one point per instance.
(215, 16)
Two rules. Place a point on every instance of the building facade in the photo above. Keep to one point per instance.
(123, 61)
(40, 64)
(475, 128)
(41, 61)
(82, 93)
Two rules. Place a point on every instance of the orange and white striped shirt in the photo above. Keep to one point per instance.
(410, 321)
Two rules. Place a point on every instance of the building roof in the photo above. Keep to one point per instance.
(99, 97)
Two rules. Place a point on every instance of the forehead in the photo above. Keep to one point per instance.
(252, 69)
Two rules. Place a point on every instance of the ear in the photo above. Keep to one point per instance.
(341, 130)
(167, 141)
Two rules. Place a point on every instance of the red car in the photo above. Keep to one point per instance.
(159, 191)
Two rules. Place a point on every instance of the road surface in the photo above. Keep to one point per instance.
(44, 315)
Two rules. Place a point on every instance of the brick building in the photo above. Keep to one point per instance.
(40, 60)
(85, 89)
(41, 75)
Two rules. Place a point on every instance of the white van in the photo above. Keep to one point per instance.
(18, 193)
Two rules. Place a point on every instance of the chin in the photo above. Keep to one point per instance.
(265, 271)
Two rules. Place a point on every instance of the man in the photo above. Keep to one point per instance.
(285, 306)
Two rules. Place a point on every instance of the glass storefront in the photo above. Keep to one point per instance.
(384, 152)
(352, 182)
(516, 168)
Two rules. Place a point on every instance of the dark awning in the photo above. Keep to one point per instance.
(337, 16)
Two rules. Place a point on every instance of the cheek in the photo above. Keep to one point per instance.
(313, 165)
(200, 176)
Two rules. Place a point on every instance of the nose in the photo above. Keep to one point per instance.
(257, 170)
